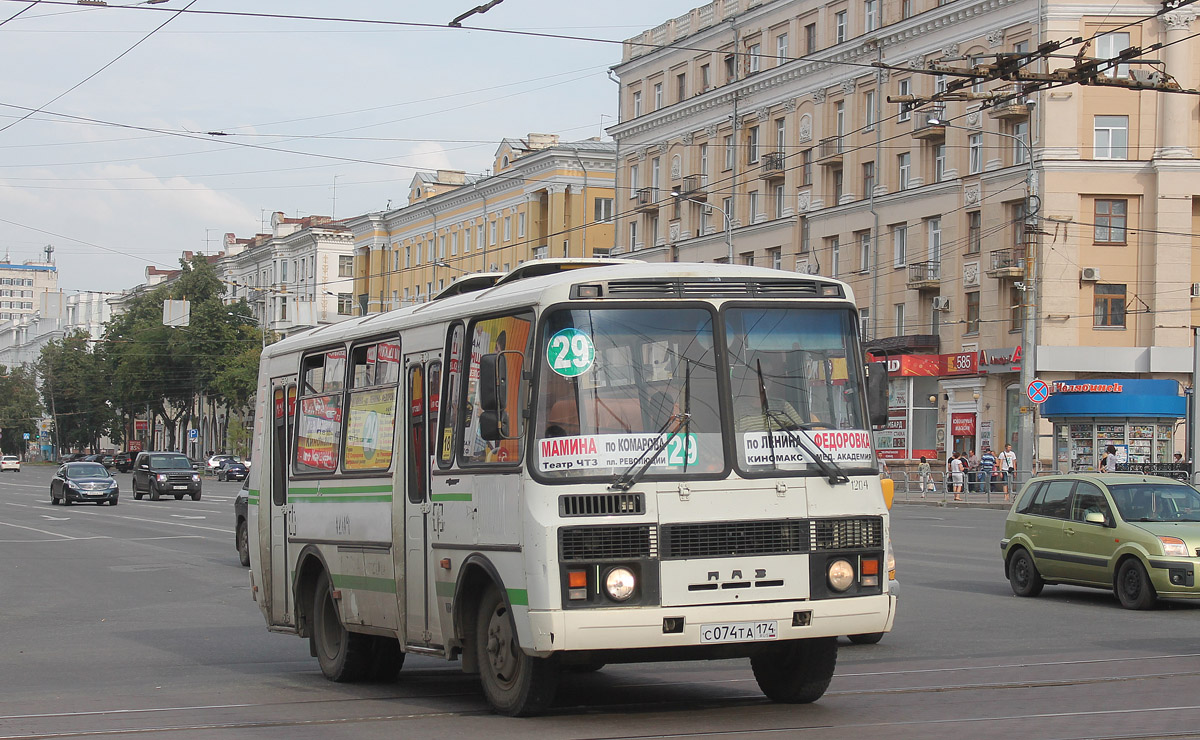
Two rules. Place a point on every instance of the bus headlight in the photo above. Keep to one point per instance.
(620, 584)
(841, 575)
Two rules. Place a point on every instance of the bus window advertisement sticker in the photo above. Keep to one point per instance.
(598, 451)
(320, 428)
(843, 446)
(570, 352)
(369, 430)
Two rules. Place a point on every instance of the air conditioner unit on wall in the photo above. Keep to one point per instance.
(1090, 274)
(941, 304)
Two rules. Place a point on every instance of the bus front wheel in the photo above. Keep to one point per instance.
(344, 656)
(514, 683)
(798, 674)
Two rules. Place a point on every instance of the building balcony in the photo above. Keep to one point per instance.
(830, 151)
(1007, 264)
(645, 200)
(773, 165)
(925, 275)
(695, 187)
(923, 126)
(1012, 109)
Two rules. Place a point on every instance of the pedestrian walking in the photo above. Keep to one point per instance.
(955, 466)
(925, 475)
(987, 466)
(1108, 461)
(1008, 469)
(971, 466)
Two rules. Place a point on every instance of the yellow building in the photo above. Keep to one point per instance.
(545, 198)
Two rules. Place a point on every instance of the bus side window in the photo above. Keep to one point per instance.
(417, 458)
(507, 339)
(449, 399)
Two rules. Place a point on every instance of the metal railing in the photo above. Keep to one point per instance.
(925, 272)
(831, 147)
(909, 485)
(1004, 259)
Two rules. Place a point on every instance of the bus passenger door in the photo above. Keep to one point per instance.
(420, 624)
(283, 398)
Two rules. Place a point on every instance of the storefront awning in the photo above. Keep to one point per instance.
(1115, 398)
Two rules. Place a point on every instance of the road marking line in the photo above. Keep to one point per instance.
(40, 531)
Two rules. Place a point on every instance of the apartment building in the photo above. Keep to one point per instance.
(767, 117)
(544, 198)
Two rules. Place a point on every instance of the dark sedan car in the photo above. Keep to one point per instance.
(123, 461)
(232, 470)
(83, 481)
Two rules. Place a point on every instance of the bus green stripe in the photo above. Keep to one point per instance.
(339, 499)
(252, 500)
(449, 497)
(339, 490)
(518, 597)
(365, 583)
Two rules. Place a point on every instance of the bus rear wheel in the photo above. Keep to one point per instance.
(514, 683)
(344, 656)
(798, 674)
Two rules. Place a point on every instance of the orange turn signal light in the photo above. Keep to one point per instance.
(577, 579)
(870, 567)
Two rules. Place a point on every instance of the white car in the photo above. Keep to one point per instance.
(10, 462)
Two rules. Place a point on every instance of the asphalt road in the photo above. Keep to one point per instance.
(137, 621)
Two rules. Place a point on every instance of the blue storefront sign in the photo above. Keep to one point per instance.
(1115, 398)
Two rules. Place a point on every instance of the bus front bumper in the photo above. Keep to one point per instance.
(644, 627)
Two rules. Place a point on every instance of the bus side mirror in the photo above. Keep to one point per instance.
(877, 393)
(490, 397)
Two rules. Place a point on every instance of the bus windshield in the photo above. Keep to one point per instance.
(626, 387)
(795, 385)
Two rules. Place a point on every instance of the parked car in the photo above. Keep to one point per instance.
(83, 481)
(241, 531)
(1137, 535)
(158, 473)
(232, 469)
(10, 462)
(123, 461)
(72, 457)
(214, 462)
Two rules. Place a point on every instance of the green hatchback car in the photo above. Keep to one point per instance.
(1138, 535)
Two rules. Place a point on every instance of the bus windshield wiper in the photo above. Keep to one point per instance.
(633, 473)
(826, 463)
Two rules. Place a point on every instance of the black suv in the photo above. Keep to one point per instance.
(123, 461)
(171, 473)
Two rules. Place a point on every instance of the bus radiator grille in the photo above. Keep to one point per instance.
(601, 504)
(615, 542)
(864, 533)
(729, 539)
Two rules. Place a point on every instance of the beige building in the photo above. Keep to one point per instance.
(545, 198)
(770, 113)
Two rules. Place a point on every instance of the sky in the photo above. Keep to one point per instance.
(108, 114)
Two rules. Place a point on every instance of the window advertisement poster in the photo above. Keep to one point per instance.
(320, 431)
(503, 334)
(369, 429)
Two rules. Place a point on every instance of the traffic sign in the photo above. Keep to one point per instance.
(1037, 391)
(193, 434)
(25, 435)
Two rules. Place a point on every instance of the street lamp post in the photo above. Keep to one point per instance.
(677, 193)
(1026, 438)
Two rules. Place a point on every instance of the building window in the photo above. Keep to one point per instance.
(805, 235)
(868, 175)
(1020, 130)
(1111, 137)
(652, 230)
(346, 266)
(752, 199)
(835, 256)
(899, 245)
(974, 232)
(705, 210)
(780, 135)
(730, 68)
(779, 196)
(748, 258)
(680, 87)
(975, 147)
(466, 239)
(1016, 309)
(1108, 305)
(864, 251)
(839, 119)
(727, 204)
(492, 233)
(604, 210)
(839, 25)
(408, 255)
(933, 227)
(520, 224)
(870, 15)
(655, 175)
(1108, 46)
(781, 48)
(637, 104)
(705, 78)
(1018, 224)
(973, 312)
(633, 235)
(754, 61)
(1110, 220)
(906, 9)
(904, 87)
(864, 322)
(869, 109)
(658, 99)
(454, 243)
(345, 304)
(775, 256)
(540, 253)
(806, 167)
(839, 183)
(905, 164)
(810, 38)
(728, 140)
(899, 328)
(507, 228)
(752, 145)
(939, 162)
(442, 247)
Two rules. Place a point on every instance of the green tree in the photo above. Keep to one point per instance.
(20, 408)
(75, 391)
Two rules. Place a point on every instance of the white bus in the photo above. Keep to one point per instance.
(573, 464)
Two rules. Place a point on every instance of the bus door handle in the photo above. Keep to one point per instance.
(439, 521)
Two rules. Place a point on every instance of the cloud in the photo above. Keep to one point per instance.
(428, 155)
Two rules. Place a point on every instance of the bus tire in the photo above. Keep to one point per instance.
(243, 543)
(344, 656)
(386, 660)
(799, 673)
(514, 683)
